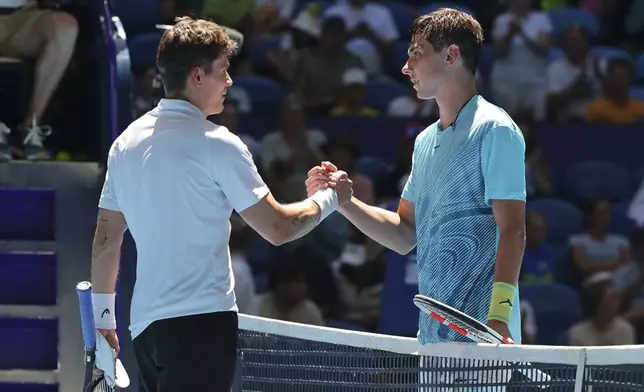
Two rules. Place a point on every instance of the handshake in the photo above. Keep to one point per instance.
(326, 176)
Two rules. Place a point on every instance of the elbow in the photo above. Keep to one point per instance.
(514, 234)
(404, 247)
(276, 238)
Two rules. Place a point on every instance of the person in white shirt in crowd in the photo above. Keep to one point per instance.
(528, 323)
(371, 28)
(411, 106)
(574, 81)
(522, 42)
(173, 179)
(47, 37)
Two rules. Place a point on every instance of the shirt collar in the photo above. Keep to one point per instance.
(179, 105)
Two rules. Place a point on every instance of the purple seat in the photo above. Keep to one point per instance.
(27, 278)
(27, 214)
(29, 344)
(27, 387)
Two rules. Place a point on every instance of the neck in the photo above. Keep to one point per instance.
(601, 323)
(452, 99)
(597, 233)
(187, 98)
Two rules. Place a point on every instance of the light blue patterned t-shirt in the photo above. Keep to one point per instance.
(456, 172)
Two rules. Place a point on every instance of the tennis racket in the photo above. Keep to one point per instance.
(94, 380)
(471, 328)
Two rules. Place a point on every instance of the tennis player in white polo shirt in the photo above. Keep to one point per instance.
(173, 179)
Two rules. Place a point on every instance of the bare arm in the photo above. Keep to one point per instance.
(510, 220)
(395, 230)
(106, 250)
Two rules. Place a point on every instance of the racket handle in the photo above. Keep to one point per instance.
(84, 291)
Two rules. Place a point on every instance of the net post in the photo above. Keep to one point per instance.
(581, 370)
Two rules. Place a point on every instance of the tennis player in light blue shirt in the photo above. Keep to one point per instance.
(464, 203)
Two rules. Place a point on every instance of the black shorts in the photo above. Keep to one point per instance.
(192, 353)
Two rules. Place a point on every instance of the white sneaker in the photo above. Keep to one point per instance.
(33, 142)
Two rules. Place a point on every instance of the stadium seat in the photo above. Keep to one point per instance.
(556, 309)
(639, 68)
(564, 219)
(380, 93)
(445, 4)
(29, 344)
(620, 222)
(563, 17)
(598, 180)
(266, 94)
(28, 278)
(398, 314)
(394, 62)
(637, 92)
(143, 49)
(138, 16)
(27, 387)
(258, 48)
(610, 52)
(371, 167)
(27, 214)
(555, 54)
(403, 17)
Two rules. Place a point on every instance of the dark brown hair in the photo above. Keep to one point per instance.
(447, 26)
(190, 43)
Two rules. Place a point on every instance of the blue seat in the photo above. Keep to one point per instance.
(564, 219)
(371, 167)
(27, 214)
(563, 17)
(445, 4)
(403, 17)
(398, 314)
(28, 278)
(265, 94)
(258, 48)
(555, 54)
(394, 62)
(611, 52)
(138, 16)
(620, 222)
(29, 344)
(27, 387)
(637, 92)
(598, 180)
(380, 93)
(639, 68)
(143, 49)
(556, 309)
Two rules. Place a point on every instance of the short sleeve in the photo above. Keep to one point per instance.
(236, 173)
(503, 162)
(409, 191)
(108, 194)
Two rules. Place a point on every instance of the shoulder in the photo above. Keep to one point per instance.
(426, 134)
(222, 142)
(490, 119)
(578, 239)
(618, 239)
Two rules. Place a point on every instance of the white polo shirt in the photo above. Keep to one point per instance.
(176, 177)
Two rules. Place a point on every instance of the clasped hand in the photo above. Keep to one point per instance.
(326, 176)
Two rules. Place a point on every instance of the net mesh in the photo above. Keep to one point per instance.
(278, 356)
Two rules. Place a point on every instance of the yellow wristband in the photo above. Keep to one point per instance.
(502, 301)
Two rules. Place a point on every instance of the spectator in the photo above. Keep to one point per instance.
(596, 250)
(241, 237)
(539, 258)
(602, 325)
(144, 89)
(273, 16)
(538, 178)
(528, 323)
(629, 280)
(305, 31)
(372, 30)
(573, 81)
(411, 106)
(229, 118)
(287, 298)
(522, 43)
(616, 104)
(350, 101)
(319, 70)
(289, 153)
(47, 37)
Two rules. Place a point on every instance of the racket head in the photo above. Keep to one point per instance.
(477, 329)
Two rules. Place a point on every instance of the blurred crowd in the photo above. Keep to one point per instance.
(551, 61)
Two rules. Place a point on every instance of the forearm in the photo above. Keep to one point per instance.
(106, 251)
(297, 220)
(509, 256)
(384, 227)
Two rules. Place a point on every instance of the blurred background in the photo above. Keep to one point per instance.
(321, 80)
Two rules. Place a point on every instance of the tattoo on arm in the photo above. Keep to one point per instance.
(104, 239)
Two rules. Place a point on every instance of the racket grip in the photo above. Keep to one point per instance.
(84, 291)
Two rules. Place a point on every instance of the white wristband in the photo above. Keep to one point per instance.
(327, 200)
(103, 304)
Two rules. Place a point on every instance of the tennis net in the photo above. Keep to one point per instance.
(287, 357)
